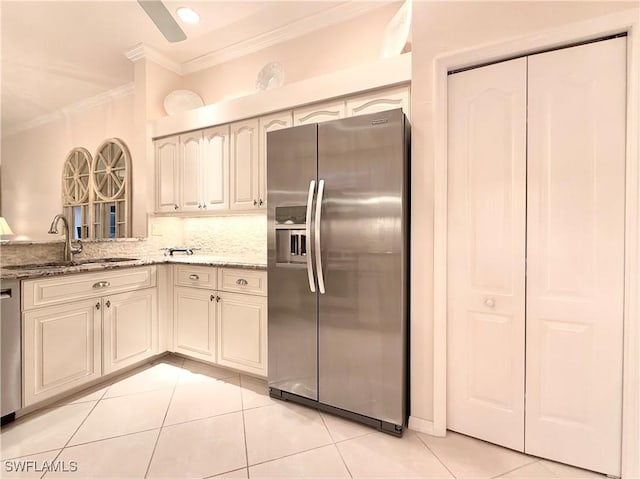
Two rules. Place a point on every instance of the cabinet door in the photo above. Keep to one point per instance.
(190, 172)
(61, 349)
(380, 101)
(319, 113)
(244, 165)
(195, 323)
(166, 153)
(242, 332)
(129, 328)
(267, 124)
(215, 168)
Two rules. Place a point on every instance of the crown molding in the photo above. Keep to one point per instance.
(325, 18)
(73, 109)
(142, 50)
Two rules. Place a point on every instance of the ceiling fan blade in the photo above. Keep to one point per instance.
(163, 20)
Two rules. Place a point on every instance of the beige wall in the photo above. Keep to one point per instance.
(32, 162)
(327, 50)
(440, 28)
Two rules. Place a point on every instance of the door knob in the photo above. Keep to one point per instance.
(490, 302)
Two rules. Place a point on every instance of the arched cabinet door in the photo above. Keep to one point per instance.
(244, 165)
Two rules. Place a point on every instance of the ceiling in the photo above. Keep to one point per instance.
(55, 54)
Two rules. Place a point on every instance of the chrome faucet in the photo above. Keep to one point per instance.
(69, 250)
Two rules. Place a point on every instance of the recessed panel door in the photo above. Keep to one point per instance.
(575, 242)
(486, 252)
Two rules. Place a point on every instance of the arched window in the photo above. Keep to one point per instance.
(76, 179)
(96, 192)
(111, 171)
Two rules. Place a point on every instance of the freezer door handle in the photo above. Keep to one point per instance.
(312, 189)
(317, 235)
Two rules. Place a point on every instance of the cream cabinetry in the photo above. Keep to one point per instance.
(129, 328)
(319, 112)
(167, 184)
(267, 124)
(225, 167)
(61, 348)
(244, 167)
(221, 316)
(78, 327)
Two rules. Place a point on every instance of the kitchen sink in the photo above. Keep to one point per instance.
(62, 264)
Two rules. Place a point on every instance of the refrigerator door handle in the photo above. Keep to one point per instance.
(312, 189)
(317, 235)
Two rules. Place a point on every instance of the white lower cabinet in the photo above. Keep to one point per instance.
(242, 332)
(195, 323)
(61, 348)
(129, 328)
(224, 324)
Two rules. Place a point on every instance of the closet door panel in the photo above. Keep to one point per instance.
(486, 250)
(575, 254)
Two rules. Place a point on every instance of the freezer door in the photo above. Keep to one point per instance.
(362, 315)
(292, 306)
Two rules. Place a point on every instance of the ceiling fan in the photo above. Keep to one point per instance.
(163, 20)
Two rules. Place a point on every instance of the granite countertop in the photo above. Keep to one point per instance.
(39, 271)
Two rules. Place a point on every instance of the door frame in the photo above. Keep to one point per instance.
(625, 21)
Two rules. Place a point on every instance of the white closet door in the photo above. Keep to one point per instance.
(486, 250)
(575, 243)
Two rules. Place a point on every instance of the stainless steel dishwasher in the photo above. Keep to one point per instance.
(10, 354)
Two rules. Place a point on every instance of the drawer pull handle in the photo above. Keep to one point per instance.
(194, 277)
(108, 303)
(101, 284)
(242, 282)
(98, 305)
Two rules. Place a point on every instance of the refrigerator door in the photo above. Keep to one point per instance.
(292, 306)
(362, 315)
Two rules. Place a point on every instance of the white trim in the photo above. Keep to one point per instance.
(421, 425)
(142, 50)
(383, 73)
(625, 21)
(79, 107)
(325, 18)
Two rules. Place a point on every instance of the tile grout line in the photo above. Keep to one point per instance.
(535, 460)
(146, 473)
(290, 455)
(72, 436)
(335, 444)
(435, 455)
(228, 472)
(244, 428)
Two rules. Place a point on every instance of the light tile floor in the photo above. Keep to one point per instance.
(178, 418)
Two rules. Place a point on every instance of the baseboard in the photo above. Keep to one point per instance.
(421, 425)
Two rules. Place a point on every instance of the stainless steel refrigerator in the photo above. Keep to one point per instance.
(338, 200)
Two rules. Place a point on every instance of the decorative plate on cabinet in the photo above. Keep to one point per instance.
(271, 76)
(397, 32)
(181, 100)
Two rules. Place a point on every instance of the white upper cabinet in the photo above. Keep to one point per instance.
(190, 171)
(215, 168)
(319, 112)
(379, 101)
(167, 183)
(267, 124)
(244, 165)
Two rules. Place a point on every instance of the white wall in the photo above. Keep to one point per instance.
(32, 162)
(439, 28)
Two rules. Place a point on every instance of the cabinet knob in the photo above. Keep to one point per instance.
(199, 206)
(98, 305)
(260, 202)
(490, 302)
(255, 202)
(175, 207)
(108, 303)
(242, 282)
(212, 297)
(194, 277)
(204, 206)
(217, 299)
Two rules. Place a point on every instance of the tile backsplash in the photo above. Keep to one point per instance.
(218, 235)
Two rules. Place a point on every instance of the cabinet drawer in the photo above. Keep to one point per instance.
(64, 289)
(196, 276)
(242, 281)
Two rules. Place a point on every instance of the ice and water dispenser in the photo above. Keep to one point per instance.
(291, 236)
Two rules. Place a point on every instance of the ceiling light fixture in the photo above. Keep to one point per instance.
(188, 15)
